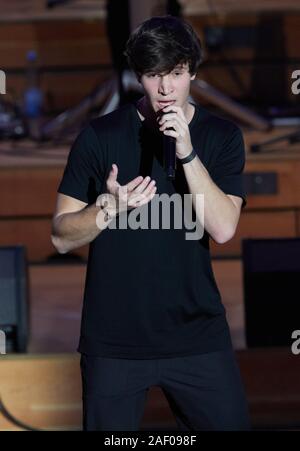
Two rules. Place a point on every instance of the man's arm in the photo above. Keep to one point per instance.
(76, 224)
(221, 211)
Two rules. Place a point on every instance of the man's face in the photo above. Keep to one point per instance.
(162, 90)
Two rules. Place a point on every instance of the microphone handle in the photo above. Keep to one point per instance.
(170, 156)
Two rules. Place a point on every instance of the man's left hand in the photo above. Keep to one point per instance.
(173, 116)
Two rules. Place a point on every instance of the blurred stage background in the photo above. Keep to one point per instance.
(63, 66)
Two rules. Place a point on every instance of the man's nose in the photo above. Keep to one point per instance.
(165, 86)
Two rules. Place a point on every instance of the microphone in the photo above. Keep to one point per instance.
(169, 145)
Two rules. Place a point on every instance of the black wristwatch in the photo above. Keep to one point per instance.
(189, 158)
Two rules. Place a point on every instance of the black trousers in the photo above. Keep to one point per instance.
(204, 391)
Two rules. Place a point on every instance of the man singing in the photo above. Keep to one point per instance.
(152, 312)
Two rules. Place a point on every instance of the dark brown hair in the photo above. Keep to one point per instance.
(160, 44)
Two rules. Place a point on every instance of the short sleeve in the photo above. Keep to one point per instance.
(83, 174)
(227, 172)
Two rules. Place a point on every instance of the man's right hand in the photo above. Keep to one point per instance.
(135, 193)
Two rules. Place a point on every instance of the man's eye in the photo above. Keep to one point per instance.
(177, 73)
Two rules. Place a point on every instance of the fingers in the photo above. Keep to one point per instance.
(176, 109)
(140, 188)
(144, 194)
(170, 121)
(112, 179)
(113, 173)
(148, 197)
(134, 183)
(111, 182)
(142, 199)
(136, 193)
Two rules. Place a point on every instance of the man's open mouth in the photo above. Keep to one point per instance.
(165, 103)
